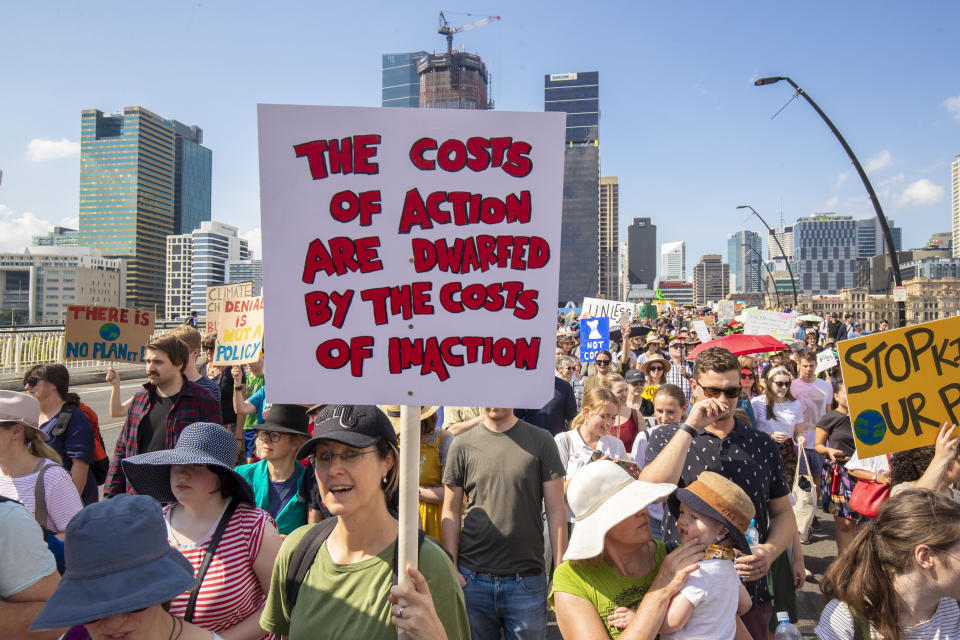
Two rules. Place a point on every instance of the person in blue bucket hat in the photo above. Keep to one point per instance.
(212, 519)
(121, 575)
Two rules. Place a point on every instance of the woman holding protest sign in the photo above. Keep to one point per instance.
(334, 578)
(899, 578)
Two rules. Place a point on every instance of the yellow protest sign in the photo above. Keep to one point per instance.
(902, 385)
(240, 333)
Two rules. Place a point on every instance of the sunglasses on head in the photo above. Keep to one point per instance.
(713, 392)
(32, 382)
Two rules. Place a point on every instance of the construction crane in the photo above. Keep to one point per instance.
(448, 31)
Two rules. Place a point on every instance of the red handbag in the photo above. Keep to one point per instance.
(867, 496)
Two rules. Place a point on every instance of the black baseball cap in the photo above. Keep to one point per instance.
(353, 425)
(634, 375)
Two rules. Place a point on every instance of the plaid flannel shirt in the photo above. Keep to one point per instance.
(193, 404)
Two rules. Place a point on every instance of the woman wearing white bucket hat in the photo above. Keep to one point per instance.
(612, 562)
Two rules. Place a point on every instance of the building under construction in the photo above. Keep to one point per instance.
(453, 80)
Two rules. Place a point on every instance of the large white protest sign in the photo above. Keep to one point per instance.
(410, 256)
(600, 308)
(725, 309)
(702, 332)
(769, 323)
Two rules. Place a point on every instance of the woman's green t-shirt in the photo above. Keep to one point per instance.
(604, 587)
(350, 600)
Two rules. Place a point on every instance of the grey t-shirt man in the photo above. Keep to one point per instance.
(502, 475)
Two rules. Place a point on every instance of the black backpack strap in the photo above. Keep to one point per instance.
(303, 556)
(63, 420)
(208, 556)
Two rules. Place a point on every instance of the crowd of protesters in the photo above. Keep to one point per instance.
(650, 496)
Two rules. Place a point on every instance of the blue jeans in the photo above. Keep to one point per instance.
(515, 605)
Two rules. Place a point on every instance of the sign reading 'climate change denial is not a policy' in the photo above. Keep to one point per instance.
(411, 256)
(902, 385)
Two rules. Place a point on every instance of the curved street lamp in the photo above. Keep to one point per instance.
(888, 237)
(783, 253)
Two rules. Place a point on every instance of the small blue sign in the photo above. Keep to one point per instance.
(594, 336)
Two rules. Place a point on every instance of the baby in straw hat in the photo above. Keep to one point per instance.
(716, 512)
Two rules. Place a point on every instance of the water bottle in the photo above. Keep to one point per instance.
(785, 630)
(753, 536)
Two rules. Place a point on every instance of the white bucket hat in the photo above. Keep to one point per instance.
(602, 495)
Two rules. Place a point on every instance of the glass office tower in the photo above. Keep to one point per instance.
(578, 94)
(399, 83)
(141, 178)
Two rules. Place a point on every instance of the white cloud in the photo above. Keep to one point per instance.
(878, 161)
(952, 104)
(41, 150)
(831, 204)
(17, 231)
(842, 178)
(922, 191)
(253, 242)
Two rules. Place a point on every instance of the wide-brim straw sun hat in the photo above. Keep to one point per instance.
(118, 560)
(645, 367)
(720, 498)
(602, 495)
(205, 443)
(393, 413)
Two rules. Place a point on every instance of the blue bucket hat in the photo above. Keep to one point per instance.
(206, 443)
(118, 560)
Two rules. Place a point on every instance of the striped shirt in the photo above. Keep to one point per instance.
(836, 623)
(63, 501)
(231, 591)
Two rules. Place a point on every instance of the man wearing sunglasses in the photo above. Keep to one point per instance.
(711, 439)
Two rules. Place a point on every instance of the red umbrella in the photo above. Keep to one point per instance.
(740, 344)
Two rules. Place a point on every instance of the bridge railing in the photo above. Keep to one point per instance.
(24, 347)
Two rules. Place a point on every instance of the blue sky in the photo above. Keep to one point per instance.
(682, 125)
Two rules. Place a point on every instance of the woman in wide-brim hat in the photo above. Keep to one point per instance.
(347, 587)
(121, 573)
(434, 445)
(24, 455)
(278, 479)
(197, 478)
(655, 371)
(612, 545)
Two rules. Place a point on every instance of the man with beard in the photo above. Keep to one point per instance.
(161, 410)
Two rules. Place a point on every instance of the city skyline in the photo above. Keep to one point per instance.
(674, 116)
